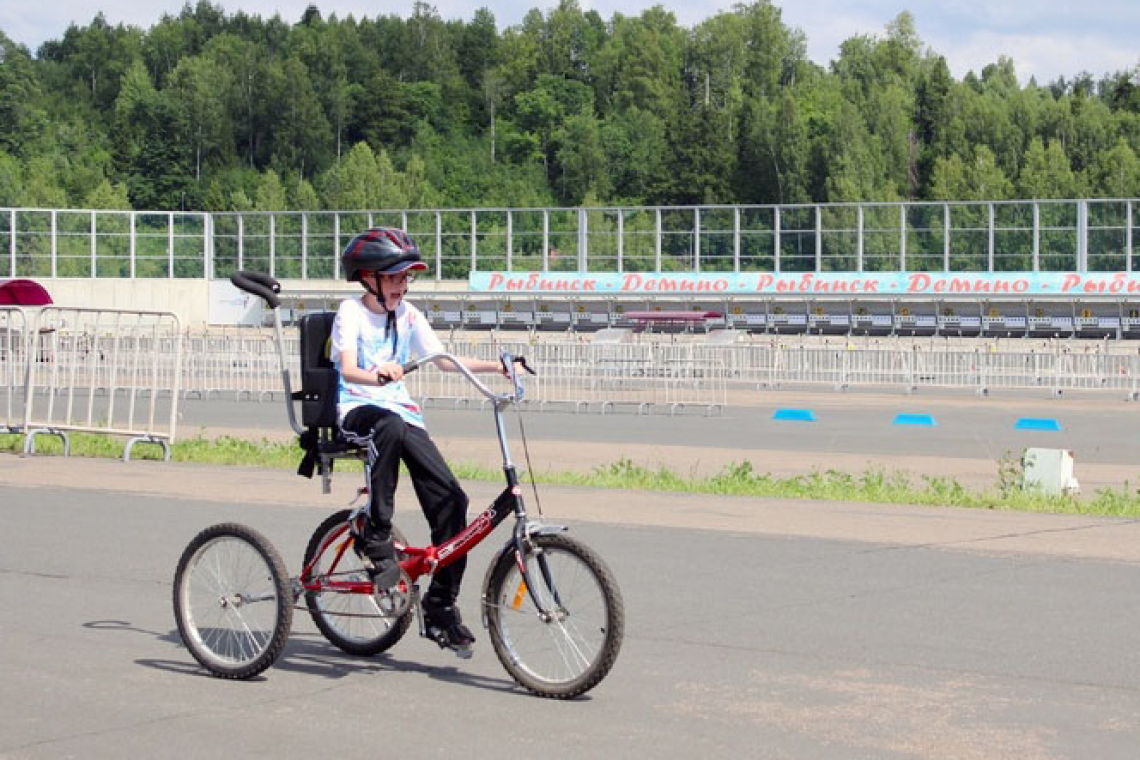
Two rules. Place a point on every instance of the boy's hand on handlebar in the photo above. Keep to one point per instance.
(389, 373)
(521, 361)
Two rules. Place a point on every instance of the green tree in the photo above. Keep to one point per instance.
(271, 194)
(980, 179)
(542, 110)
(636, 154)
(1046, 173)
(197, 86)
(21, 117)
(639, 64)
(11, 181)
(1115, 173)
(107, 195)
(299, 136)
(581, 160)
(353, 183)
(41, 185)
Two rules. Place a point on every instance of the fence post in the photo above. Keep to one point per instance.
(736, 238)
(12, 241)
(775, 239)
(133, 243)
(510, 240)
(170, 244)
(55, 242)
(902, 237)
(696, 238)
(990, 246)
(657, 238)
(945, 237)
(94, 247)
(620, 240)
(583, 240)
(474, 242)
(1036, 237)
(1128, 235)
(859, 238)
(818, 238)
(1082, 236)
(272, 245)
(438, 246)
(304, 246)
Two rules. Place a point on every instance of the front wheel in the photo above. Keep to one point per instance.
(232, 601)
(559, 635)
(358, 623)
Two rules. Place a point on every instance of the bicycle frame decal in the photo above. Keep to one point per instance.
(477, 530)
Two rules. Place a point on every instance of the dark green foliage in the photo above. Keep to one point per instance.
(218, 111)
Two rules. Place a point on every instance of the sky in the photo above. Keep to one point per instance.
(1046, 39)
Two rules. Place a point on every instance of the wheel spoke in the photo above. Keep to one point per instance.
(230, 601)
(554, 632)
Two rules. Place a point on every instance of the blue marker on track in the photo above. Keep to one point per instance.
(925, 420)
(794, 415)
(1037, 423)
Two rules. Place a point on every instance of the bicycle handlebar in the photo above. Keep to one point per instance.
(505, 357)
(258, 284)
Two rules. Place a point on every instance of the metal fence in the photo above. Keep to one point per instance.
(15, 325)
(103, 371)
(695, 376)
(982, 236)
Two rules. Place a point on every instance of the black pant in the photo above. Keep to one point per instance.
(441, 498)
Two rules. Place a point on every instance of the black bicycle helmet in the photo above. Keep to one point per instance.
(384, 250)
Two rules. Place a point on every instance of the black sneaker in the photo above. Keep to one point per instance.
(445, 627)
(378, 555)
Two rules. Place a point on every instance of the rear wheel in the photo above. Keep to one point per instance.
(360, 624)
(232, 601)
(565, 644)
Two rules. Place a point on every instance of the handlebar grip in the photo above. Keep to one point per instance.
(258, 284)
(408, 367)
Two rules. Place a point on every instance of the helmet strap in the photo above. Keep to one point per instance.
(390, 325)
(373, 291)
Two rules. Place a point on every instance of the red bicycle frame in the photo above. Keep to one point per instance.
(419, 561)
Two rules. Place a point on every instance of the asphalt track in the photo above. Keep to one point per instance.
(852, 432)
(755, 628)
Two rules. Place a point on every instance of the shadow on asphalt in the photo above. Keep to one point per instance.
(309, 654)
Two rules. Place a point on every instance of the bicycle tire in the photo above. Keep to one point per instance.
(233, 601)
(352, 622)
(570, 654)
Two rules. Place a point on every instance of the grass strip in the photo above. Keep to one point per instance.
(739, 479)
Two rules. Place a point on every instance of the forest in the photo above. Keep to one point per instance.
(217, 111)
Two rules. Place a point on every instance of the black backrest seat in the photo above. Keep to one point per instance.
(318, 375)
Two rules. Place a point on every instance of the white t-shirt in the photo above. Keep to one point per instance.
(356, 326)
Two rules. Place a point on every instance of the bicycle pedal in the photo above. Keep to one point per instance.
(440, 637)
(394, 600)
(385, 581)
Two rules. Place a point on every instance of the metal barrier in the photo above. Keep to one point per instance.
(15, 329)
(1067, 235)
(678, 375)
(103, 371)
(241, 361)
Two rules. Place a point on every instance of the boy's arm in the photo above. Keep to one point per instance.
(387, 373)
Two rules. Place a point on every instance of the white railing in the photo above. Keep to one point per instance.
(15, 330)
(103, 371)
(973, 236)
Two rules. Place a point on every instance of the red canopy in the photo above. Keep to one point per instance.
(23, 293)
(672, 316)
